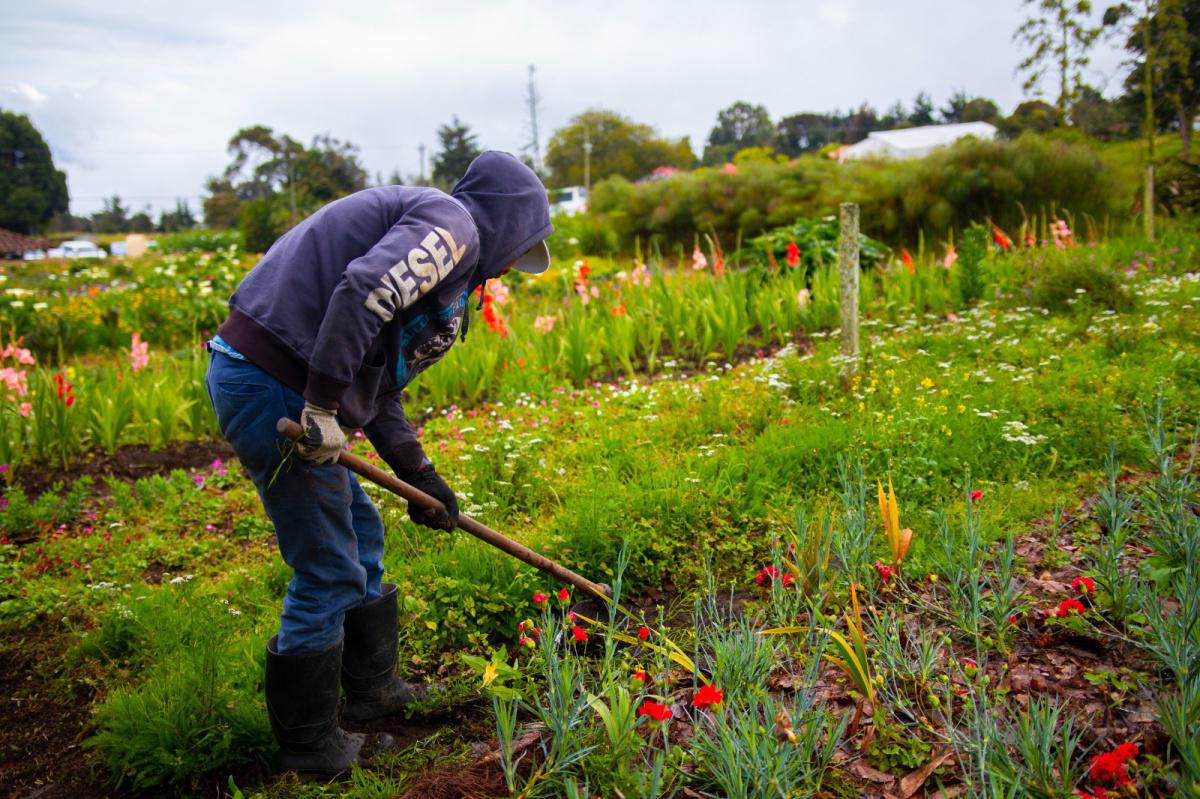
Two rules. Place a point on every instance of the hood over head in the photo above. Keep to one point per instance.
(509, 205)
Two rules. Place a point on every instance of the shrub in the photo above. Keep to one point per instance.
(199, 240)
(198, 706)
(971, 252)
(901, 201)
(816, 240)
(581, 233)
(1060, 278)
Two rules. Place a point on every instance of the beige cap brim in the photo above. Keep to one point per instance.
(535, 261)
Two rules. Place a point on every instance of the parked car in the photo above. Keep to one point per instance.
(570, 201)
(76, 249)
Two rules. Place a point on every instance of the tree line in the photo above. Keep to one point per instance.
(273, 180)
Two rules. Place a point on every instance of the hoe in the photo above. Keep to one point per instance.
(595, 594)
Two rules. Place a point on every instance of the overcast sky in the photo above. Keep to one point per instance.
(140, 98)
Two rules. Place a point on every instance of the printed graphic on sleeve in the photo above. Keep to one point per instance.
(411, 277)
(444, 327)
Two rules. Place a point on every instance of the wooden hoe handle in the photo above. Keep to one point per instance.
(379, 477)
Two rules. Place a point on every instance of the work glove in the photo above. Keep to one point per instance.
(323, 439)
(428, 480)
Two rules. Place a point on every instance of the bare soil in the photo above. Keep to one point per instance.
(43, 718)
(128, 463)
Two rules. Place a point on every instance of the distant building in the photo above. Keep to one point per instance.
(914, 142)
(13, 246)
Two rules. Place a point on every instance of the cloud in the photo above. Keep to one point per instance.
(141, 100)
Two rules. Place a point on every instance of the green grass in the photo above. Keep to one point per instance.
(698, 477)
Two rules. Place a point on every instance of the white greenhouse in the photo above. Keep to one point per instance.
(914, 142)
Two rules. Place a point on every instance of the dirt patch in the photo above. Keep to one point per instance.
(43, 719)
(128, 463)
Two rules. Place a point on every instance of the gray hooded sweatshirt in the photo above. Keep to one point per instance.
(361, 297)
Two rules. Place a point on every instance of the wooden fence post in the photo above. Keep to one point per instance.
(848, 267)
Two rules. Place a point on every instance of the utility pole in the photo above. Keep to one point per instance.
(421, 175)
(291, 185)
(532, 99)
(587, 161)
(1150, 127)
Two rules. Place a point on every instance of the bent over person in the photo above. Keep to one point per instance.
(329, 327)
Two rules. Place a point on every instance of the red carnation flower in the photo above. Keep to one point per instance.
(707, 696)
(769, 574)
(563, 595)
(579, 633)
(1068, 607)
(640, 676)
(540, 599)
(1112, 767)
(885, 572)
(1083, 585)
(1099, 793)
(655, 710)
(643, 633)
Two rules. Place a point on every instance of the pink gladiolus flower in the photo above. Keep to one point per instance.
(500, 292)
(544, 324)
(21, 355)
(139, 353)
(14, 380)
(951, 257)
(698, 260)
(804, 297)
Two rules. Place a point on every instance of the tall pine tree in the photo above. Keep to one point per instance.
(458, 148)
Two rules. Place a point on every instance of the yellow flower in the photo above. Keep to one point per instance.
(489, 674)
(962, 408)
(927, 383)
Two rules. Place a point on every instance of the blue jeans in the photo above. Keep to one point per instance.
(328, 530)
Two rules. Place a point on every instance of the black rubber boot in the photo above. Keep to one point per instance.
(369, 662)
(302, 701)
